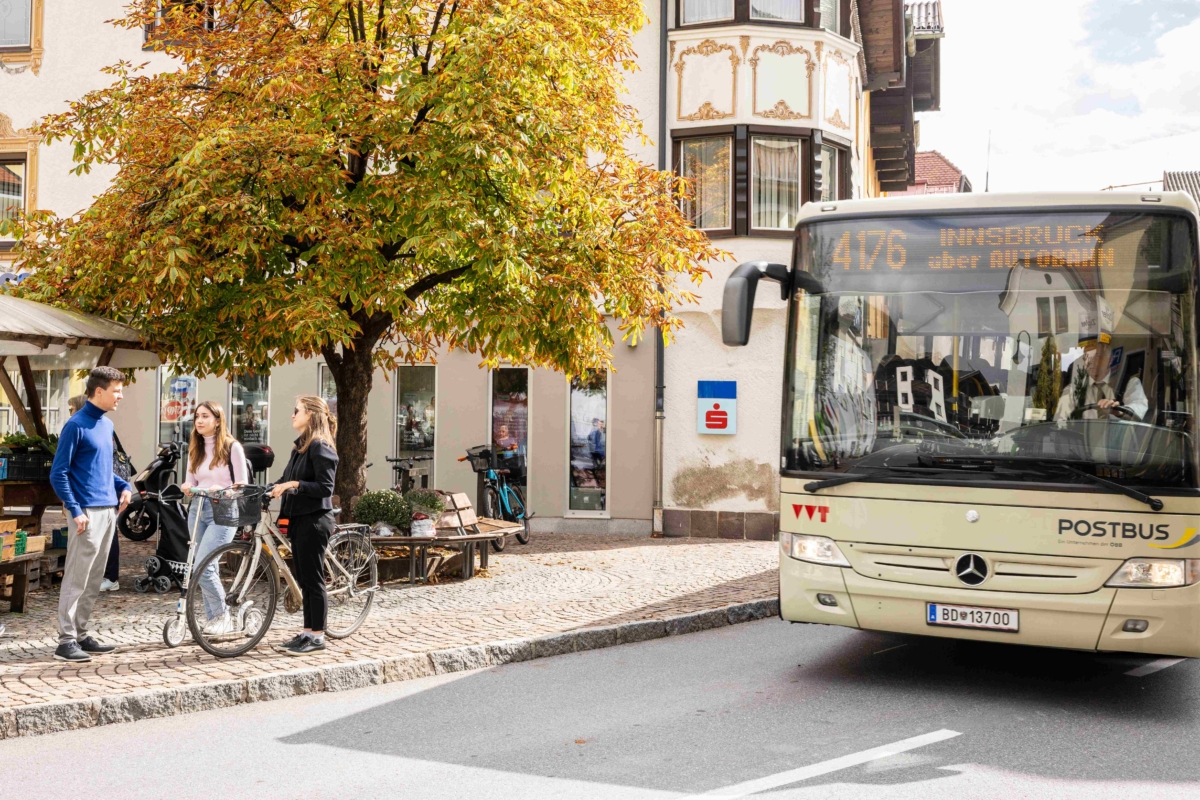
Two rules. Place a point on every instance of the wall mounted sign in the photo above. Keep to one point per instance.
(716, 407)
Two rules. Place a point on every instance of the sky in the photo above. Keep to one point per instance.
(1077, 94)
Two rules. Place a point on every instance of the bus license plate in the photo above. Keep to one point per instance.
(991, 619)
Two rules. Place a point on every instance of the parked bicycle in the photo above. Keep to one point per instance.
(402, 479)
(501, 499)
(249, 570)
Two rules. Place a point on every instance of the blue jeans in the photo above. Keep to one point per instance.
(209, 536)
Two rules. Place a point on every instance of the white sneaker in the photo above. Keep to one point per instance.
(219, 626)
(109, 586)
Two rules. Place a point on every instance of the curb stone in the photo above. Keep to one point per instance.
(43, 718)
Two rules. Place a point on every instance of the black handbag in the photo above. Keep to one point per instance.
(122, 463)
(240, 511)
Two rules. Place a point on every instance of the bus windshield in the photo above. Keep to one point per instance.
(1001, 346)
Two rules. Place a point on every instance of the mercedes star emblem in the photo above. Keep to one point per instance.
(971, 569)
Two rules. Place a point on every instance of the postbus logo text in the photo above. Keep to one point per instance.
(1117, 530)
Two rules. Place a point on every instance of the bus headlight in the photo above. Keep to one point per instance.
(1156, 573)
(816, 549)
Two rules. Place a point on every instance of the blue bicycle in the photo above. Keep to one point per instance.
(501, 499)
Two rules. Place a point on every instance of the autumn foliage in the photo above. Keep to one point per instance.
(368, 182)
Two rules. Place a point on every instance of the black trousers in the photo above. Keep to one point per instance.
(309, 535)
(112, 569)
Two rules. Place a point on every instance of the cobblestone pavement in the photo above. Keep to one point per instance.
(557, 583)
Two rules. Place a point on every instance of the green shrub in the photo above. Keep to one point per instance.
(383, 506)
(426, 498)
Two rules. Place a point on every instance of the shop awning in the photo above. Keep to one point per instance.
(42, 337)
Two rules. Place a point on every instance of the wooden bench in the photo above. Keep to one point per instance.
(459, 528)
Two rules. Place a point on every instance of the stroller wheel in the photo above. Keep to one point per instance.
(174, 632)
(142, 585)
(153, 565)
(162, 584)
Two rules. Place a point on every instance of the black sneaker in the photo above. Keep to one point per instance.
(293, 642)
(89, 645)
(307, 646)
(69, 651)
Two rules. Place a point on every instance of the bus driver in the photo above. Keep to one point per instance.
(1099, 390)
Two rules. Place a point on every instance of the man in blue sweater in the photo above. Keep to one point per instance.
(82, 477)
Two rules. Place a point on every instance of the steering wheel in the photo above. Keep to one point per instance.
(1123, 412)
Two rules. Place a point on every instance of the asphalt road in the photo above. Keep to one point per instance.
(764, 709)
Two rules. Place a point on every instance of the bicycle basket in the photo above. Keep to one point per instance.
(239, 508)
(480, 458)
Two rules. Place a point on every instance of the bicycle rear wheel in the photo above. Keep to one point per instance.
(249, 597)
(351, 579)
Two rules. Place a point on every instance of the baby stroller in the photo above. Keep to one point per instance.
(164, 569)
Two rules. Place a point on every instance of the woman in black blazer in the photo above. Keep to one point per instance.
(309, 510)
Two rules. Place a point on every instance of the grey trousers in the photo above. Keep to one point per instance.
(87, 554)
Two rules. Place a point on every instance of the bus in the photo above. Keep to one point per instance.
(989, 418)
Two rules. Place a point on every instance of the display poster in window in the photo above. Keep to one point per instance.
(251, 408)
(589, 442)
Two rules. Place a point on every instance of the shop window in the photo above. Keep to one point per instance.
(177, 400)
(706, 164)
(589, 443)
(12, 191)
(327, 387)
(250, 398)
(1043, 315)
(694, 11)
(53, 389)
(831, 19)
(777, 10)
(416, 419)
(510, 410)
(1060, 314)
(775, 182)
(831, 173)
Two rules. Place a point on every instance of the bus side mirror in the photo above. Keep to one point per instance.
(737, 305)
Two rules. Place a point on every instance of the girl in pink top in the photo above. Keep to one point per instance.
(215, 461)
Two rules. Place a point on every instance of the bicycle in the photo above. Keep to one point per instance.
(250, 583)
(401, 472)
(501, 500)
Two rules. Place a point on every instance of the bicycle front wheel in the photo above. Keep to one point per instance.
(351, 580)
(240, 594)
(521, 514)
(493, 510)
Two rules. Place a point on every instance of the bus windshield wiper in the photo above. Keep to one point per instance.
(975, 462)
(816, 486)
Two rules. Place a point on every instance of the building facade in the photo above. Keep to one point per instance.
(762, 104)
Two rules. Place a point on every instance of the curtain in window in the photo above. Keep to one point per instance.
(829, 15)
(776, 182)
(705, 163)
(14, 23)
(829, 173)
(786, 10)
(12, 191)
(706, 10)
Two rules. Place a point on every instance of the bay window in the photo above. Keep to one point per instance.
(707, 165)
(693, 11)
(831, 173)
(831, 15)
(777, 10)
(775, 182)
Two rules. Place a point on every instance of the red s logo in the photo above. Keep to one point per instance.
(716, 419)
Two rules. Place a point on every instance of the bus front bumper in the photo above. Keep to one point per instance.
(1091, 621)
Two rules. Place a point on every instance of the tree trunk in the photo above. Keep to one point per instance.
(352, 371)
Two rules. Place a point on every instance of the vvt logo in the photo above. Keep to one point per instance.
(811, 511)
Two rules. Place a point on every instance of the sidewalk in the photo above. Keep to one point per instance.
(558, 584)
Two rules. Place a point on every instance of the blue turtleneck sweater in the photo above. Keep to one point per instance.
(82, 475)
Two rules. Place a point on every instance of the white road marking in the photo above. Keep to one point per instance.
(824, 768)
(1154, 666)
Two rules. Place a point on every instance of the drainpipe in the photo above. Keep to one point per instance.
(660, 414)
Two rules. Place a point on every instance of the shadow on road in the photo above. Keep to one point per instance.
(697, 712)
